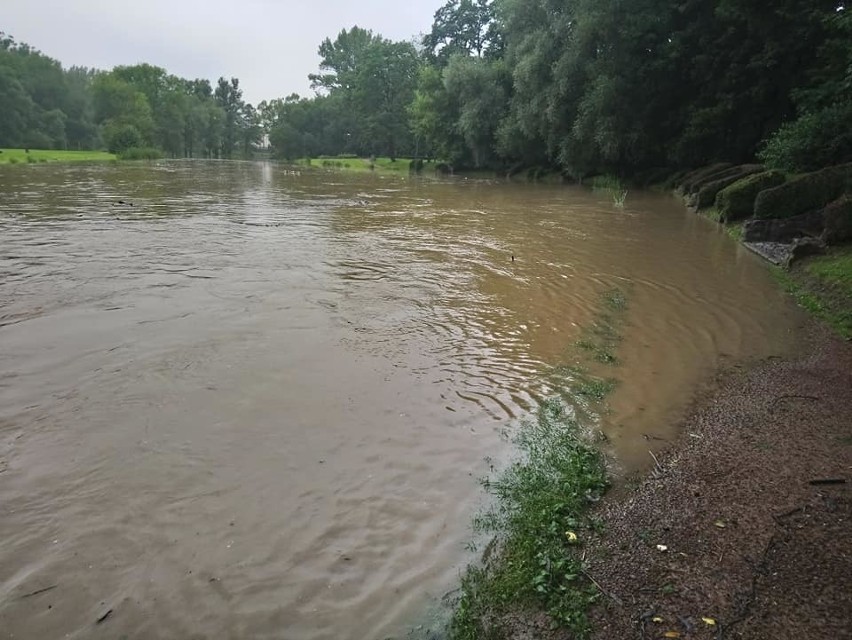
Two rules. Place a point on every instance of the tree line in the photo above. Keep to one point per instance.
(575, 86)
(45, 106)
(589, 86)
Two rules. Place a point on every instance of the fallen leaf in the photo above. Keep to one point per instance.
(572, 537)
(709, 621)
(671, 634)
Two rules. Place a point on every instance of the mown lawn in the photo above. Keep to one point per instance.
(20, 156)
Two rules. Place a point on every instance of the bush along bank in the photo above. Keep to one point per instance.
(801, 224)
(532, 572)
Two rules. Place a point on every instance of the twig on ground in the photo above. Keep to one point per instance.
(611, 596)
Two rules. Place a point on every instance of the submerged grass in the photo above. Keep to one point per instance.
(540, 513)
(611, 185)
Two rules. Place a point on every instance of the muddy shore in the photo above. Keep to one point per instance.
(742, 530)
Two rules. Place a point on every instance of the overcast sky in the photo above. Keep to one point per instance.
(270, 45)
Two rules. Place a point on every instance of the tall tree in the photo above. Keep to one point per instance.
(229, 97)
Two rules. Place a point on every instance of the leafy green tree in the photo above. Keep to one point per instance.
(341, 59)
(16, 106)
(229, 98)
(466, 27)
(120, 136)
(478, 88)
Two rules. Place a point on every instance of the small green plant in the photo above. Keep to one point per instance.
(605, 183)
(540, 504)
(619, 198)
(13, 160)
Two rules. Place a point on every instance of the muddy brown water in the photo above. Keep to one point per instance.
(255, 404)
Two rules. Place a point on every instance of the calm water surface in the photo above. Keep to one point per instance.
(255, 404)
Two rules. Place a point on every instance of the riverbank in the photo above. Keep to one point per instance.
(741, 530)
(710, 543)
(32, 156)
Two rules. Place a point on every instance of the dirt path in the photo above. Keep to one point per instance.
(753, 508)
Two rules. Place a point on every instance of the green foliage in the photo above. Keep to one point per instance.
(120, 137)
(806, 193)
(604, 183)
(736, 201)
(466, 27)
(46, 106)
(823, 286)
(368, 85)
(540, 498)
(812, 141)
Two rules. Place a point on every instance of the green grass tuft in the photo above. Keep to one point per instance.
(541, 502)
(539, 499)
(823, 287)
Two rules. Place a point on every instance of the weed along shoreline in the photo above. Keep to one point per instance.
(740, 527)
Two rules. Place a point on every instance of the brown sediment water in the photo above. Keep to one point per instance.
(255, 403)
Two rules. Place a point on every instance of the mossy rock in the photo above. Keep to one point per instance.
(806, 193)
(837, 217)
(736, 201)
(689, 181)
(708, 191)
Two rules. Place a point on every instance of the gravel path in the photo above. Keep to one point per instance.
(752, 509)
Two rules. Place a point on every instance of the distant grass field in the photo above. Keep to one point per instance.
(381, 165)
(20, 156)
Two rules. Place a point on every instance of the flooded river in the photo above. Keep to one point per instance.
(255, 404)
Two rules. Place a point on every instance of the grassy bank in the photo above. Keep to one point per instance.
(823, 286)
(533, 568)
(21, 156)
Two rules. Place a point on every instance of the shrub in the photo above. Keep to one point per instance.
(13, 160)
(814, 140)
(736, 201)
(121, 137)
(708, 190)
(140, 153)
(805, 193)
